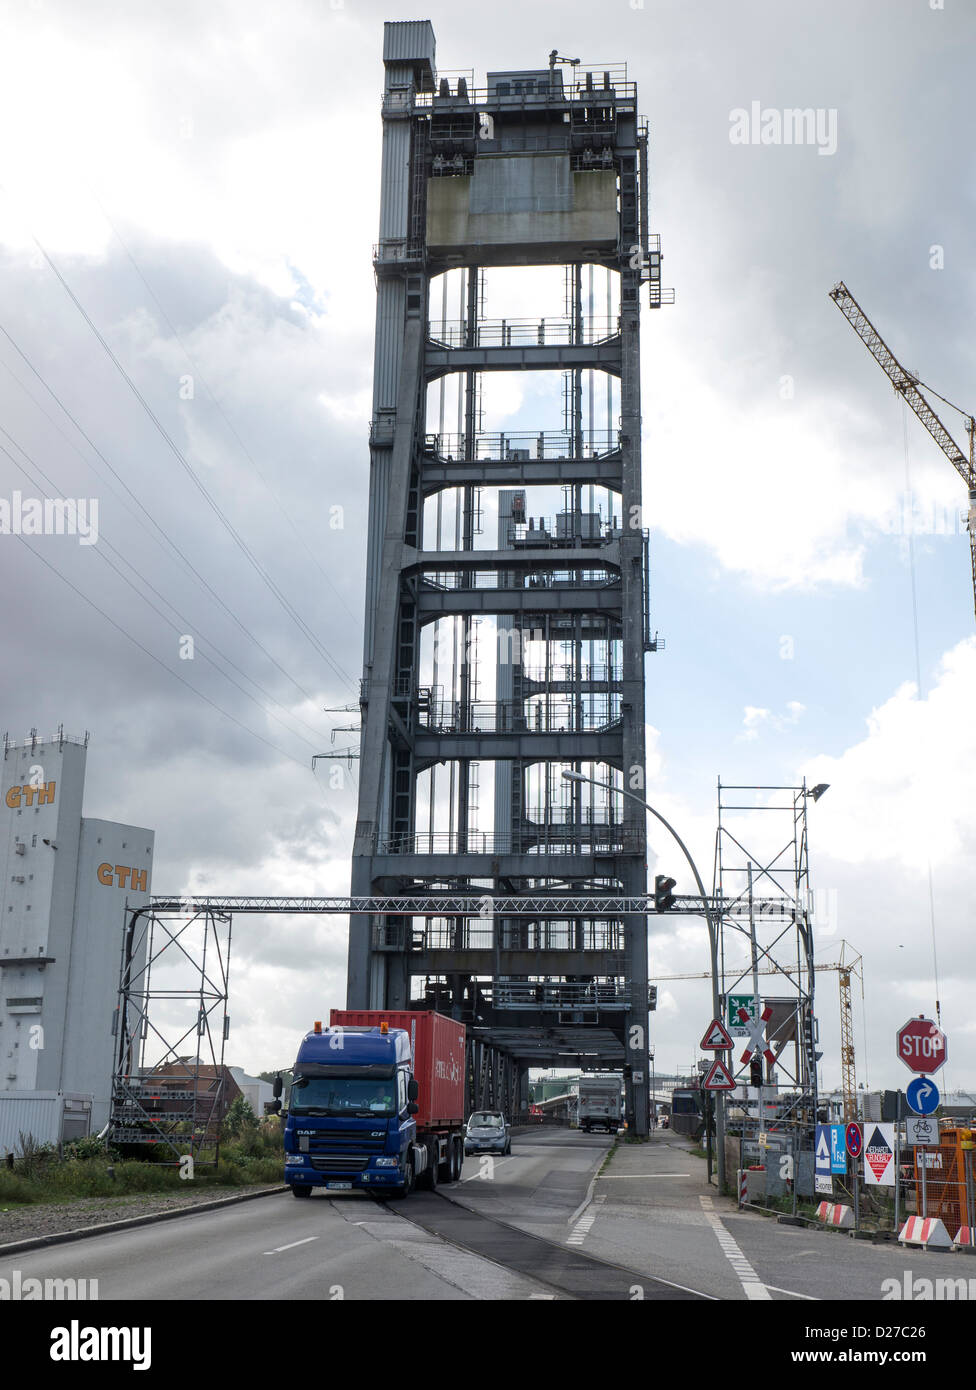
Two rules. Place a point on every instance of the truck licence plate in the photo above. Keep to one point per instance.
(339, 1186)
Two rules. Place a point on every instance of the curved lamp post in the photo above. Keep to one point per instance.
(712, 946)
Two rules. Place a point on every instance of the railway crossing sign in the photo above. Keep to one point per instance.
(756, 1030)
(853, 1139)
(922, 1045)
(923, 1096)
(716, 1037)
(719, 1078)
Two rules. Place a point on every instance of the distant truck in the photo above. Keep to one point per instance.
(598, 1103)
(377, 1104)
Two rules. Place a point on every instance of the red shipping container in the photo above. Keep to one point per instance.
(437, 1044)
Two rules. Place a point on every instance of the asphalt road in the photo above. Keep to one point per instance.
(538, 1224)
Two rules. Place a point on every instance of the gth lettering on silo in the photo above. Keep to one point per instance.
(134, 879)
(30, 795)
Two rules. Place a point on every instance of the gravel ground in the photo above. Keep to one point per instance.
(23, 1223)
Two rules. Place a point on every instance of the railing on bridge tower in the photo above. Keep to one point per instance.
(534, 535)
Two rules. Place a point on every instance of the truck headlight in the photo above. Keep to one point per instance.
(387, 1162)
(294, 1160)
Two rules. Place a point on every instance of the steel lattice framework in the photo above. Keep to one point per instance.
(546, 167)
(761, 844)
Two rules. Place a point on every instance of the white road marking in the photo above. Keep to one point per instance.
(792, 1294)
(605, 1177)
(279, 1249)
(582, 1228)
(498, 1164)
(752, 1285)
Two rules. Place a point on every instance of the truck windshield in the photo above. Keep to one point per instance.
(342, 1096)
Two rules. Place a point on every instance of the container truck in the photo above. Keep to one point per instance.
(376, 1104)
(598, 1103)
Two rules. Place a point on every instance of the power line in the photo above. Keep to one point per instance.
(145, 650)
(107, 543)
(192, 475)
(163, 535)
(223, 414)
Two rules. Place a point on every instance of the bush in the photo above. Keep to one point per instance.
(240, 1120)
(90, 1147)
(34, 1157)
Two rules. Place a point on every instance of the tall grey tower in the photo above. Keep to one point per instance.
(506, 591)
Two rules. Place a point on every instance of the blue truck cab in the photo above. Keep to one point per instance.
(351, 1112)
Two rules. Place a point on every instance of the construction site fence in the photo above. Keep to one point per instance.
(938, 1180)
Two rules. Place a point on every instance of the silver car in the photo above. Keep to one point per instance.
(487, 1131)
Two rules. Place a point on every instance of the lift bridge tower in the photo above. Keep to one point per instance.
(506, 589)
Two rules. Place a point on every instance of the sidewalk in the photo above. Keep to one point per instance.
(647, 1213)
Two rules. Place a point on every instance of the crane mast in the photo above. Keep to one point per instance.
(907, 385)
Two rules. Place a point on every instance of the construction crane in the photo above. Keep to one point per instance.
(848, 1082)
(846, 967)
(907, 385)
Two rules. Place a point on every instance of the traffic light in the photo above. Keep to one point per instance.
(651, 998)
(811, 1034)
(663, 893)
(755, 1074)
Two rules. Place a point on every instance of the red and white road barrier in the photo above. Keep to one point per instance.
(965, 1238)
(835, 1214)
(927, 1231)
(743, 1186)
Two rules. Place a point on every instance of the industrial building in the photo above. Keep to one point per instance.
(507, 603)
(66, 880)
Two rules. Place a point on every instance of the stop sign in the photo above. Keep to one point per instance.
(922, 1046)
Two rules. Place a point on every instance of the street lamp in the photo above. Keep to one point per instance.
(712, 944)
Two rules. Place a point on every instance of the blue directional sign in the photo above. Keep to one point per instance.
(923, 1096)
(838, 1149)
(821, 1151)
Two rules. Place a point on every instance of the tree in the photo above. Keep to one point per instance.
(240, 1119)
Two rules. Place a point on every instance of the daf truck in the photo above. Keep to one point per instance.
(376, 1104)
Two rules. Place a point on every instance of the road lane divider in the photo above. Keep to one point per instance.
(752, 1285)
(278, 1249)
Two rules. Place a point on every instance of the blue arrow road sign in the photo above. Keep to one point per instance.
(822, 1150)
(838, 1149)
(923, 1096)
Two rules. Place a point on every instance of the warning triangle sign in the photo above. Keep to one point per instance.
(716, 1037)
(878, 1153)
(719, 1077)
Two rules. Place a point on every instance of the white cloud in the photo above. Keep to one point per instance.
(904, 793)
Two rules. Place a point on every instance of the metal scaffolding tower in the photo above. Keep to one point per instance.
(767, 914)
(491, 666)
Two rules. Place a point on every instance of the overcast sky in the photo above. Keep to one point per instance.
(205, 178)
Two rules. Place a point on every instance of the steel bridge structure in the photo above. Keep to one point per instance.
(541, 167)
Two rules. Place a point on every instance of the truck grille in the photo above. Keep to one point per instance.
(337, 1141)
(339, 1163)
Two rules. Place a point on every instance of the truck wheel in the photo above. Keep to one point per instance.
(301, 1192)
(446, 1172)
(458, 1160)
(428, 1178)
(407, 1187)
